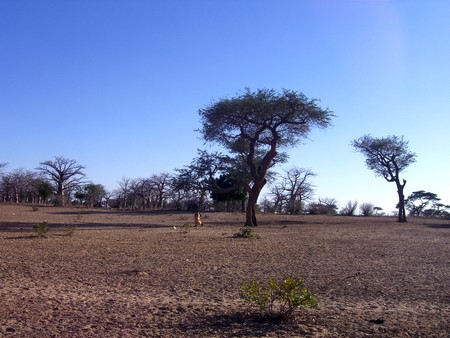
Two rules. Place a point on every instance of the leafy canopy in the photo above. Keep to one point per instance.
(386, 156)
(262, 117)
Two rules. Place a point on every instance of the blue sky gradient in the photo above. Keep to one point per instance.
(117, 85)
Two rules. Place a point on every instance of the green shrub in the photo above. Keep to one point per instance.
(41, 229)
(246, 232)
(278, 300)
(34, 208)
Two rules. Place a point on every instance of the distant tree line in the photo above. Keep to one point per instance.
(255, 128)
(202, 185)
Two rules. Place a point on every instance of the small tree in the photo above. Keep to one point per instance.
(418, 201)
(378, 211)
(94, 194)
(349, 209)
(80, 195)
(438, 210)
(325, 206)
(44, 190)
(366, 209)
(387, 157)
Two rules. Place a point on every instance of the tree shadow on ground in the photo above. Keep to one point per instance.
(100, 211)
(439, 225)
(28, 226)
(234, 324)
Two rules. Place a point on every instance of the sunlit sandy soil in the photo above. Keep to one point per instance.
(137, 274)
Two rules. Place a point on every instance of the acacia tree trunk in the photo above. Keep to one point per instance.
(401, 201)
(253, 194)
(250, 215)
(258, 174)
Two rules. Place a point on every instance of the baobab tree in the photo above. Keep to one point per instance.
(298, 189)
(64, 173)
(18, 185)
(255, 126)
(387, 157)
(160, 184)
(124, 191)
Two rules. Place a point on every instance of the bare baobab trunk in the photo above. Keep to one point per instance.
(59, 200)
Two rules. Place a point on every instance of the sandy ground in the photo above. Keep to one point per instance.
(132, 274)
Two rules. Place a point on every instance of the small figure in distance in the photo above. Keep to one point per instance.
(197, 219)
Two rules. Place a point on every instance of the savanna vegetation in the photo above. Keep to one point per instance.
(116, 269)
(256, 128)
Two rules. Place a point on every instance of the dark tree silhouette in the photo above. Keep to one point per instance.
(387, 157)
(224, 183)
(418, 201)
(255, 126)
(199, 177)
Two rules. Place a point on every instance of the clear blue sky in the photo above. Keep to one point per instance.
(116, 85)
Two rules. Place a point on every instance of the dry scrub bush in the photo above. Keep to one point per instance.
(278, 300)
(41, 229)
(246, 232)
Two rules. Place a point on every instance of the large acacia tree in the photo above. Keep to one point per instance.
(64, 173)
(255, 126)
(387, 157)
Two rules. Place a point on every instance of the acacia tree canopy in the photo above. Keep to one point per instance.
(256, 126)
(419, 200)
(387, 157)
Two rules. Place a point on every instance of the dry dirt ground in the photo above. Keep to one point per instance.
(132, 274)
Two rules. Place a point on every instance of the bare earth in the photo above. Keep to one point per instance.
(132, 274)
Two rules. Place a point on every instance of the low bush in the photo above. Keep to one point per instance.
(278, 300)
(246, 232)
(41, 229)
